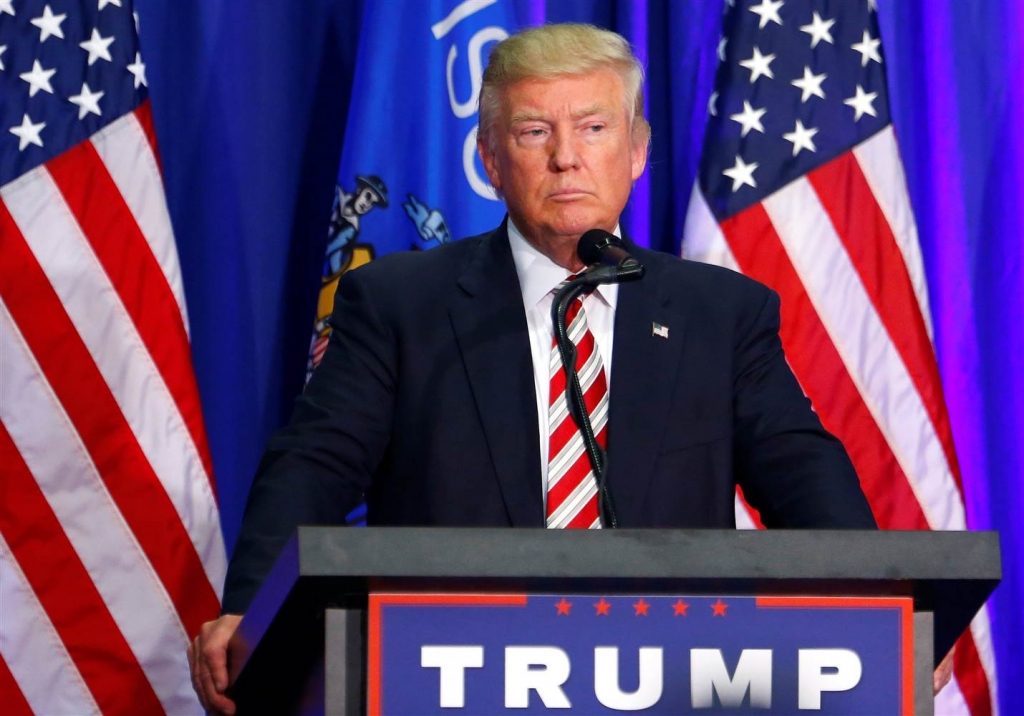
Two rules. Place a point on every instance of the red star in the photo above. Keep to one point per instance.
(602, 607)
(680, 608)
(719, 608)
(641, 608)
(563, 607)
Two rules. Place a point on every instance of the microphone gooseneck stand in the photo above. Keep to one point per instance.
(585, 283)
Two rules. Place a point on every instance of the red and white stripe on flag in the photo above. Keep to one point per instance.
(111, 554)
(840, 247)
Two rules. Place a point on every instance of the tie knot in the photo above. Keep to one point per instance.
(564, 282)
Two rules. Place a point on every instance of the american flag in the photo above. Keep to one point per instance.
(801, 187)
(110, 548)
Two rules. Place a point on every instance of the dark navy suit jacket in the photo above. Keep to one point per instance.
(425, 407)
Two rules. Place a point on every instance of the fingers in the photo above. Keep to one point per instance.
(212, 697)
(943, 673)
(190, 652)
(200, 684)
(213, 659)
(208, 663)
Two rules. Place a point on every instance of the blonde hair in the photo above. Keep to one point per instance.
(552, 51)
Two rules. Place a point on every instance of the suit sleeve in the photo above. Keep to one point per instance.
(317, 469)
(790, 468)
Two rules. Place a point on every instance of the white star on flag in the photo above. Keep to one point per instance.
(862, 103)
(801, 138)
(87, 101)
(759, 65)
(810, 84)
(3, 49)
(104, 3)
(38, 79)
(741, 173)
(98, 47)
(28, 133)
(721, 48)
(7, 6)
(712, 110)
(768, 10)
(138, 69)
(819, 30)
(749, 118)
(48, 24)
(868, 49)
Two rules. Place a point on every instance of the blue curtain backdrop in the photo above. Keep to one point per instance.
(251, 101)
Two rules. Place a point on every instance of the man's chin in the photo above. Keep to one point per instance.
(577, 226)
(566, 224)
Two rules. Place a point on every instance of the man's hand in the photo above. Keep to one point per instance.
(943, 672)
(208, 663)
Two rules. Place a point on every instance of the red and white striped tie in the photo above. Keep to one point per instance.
(572, 487)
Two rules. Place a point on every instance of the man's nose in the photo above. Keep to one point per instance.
(565, 153)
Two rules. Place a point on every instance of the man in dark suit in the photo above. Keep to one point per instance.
(432, 402)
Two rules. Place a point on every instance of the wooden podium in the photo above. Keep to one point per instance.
(304, 635)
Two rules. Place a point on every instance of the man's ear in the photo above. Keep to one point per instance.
(638, 157)
(490, 160)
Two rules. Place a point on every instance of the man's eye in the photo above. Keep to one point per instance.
(595, 128)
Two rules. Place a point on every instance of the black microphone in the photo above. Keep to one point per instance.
(600, 247)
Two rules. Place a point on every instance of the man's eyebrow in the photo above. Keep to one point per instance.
(590, 111)
(526, 117)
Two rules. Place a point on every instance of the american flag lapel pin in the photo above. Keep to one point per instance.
(659, 330)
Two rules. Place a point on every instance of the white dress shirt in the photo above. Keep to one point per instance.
(538, 276)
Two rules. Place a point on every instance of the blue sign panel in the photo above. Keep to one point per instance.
(593, 654)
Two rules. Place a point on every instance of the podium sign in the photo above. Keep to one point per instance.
(485, 653)
(302, 640)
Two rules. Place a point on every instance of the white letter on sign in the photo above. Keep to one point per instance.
(453, 662)
(708, 673)
(606, 679)
(812, 681)
(541, 668)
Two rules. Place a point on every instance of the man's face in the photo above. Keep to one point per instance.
(364, 201)
(562, 154)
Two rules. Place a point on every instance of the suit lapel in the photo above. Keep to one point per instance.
(644, 378)
(490, 326)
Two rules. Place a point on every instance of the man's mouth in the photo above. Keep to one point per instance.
(568, 194)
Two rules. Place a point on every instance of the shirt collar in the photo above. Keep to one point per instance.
(539, 275)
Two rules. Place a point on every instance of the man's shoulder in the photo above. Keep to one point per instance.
(696, 281)
(403, 271)
(446, 257)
